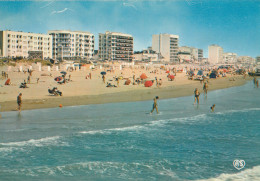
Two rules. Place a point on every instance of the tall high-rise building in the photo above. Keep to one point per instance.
(115, 46)
(166, 45)
(26, 45)
(69, 45)
(215, 54)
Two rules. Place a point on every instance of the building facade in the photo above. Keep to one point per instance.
(167, 46)
(229, 58)
(69, 45)
(147, 55)
(115, 46)
(20, 44)
(246, 60)
(190, 54)
(215, 54)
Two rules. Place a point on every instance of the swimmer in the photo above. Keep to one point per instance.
(212, 107)
(155, 105)
(205, 88)
(197, 96)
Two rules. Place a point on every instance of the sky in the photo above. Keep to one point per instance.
(231, 24)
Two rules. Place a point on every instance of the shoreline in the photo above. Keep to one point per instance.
(123, 96)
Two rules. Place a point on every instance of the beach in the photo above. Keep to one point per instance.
(82, 91)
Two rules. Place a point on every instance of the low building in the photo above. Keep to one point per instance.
(245, 60)
(229, 58)
(19, 44)
(147, 55)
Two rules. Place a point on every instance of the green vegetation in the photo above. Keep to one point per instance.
(13, 61)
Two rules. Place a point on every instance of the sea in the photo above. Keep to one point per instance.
(123, 141)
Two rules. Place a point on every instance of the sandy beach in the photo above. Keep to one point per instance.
(82, 91)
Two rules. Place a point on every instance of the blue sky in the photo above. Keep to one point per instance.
(234, 25)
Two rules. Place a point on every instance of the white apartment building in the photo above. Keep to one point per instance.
(246, 60)
(229, 58)
(70, 45)
(215, 54)
(167, 45)
(115, 46)
(190, 54)
(20, 44)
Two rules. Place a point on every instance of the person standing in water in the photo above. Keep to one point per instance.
(197, 96)
(155, 105)
(19, 101)
(205, 88)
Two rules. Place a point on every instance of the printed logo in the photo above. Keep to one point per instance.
(239, 164)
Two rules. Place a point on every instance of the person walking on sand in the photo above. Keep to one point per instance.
(89, 76)
(117, 80)
(155, 105)
(19, 101)
(104, 78)
(205, 88)
(197, 96)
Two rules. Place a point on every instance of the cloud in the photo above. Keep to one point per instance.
(129, 5)
(61, 11)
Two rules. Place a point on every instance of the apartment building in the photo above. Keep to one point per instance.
(190, 54)
(246, 60)
(27, 45)
(229, 58)
(166, 45)
(115, 46)
(215, 54)
(68, 45)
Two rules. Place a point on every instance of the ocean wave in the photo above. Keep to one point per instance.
(152, 169)
(247, 174)
(37, 142)
(240, 110)
(149, 125)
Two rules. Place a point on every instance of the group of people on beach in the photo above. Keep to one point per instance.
(196, 96)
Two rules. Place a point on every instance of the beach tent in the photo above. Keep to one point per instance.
(143, 76)
(103, 73)
(7, 82)
(127, 82)
(148, 83)
(213, 75)
(171, 77)
(58, 79)
(200, 72)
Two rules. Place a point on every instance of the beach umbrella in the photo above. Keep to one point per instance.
(127, 82)
(63, 72)
(7, 82)
(200, 72)
(224, 70)
(148, 83)
(103, 73)
(171, 77)
(167, 71)
(143, 76)
(58, 79)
